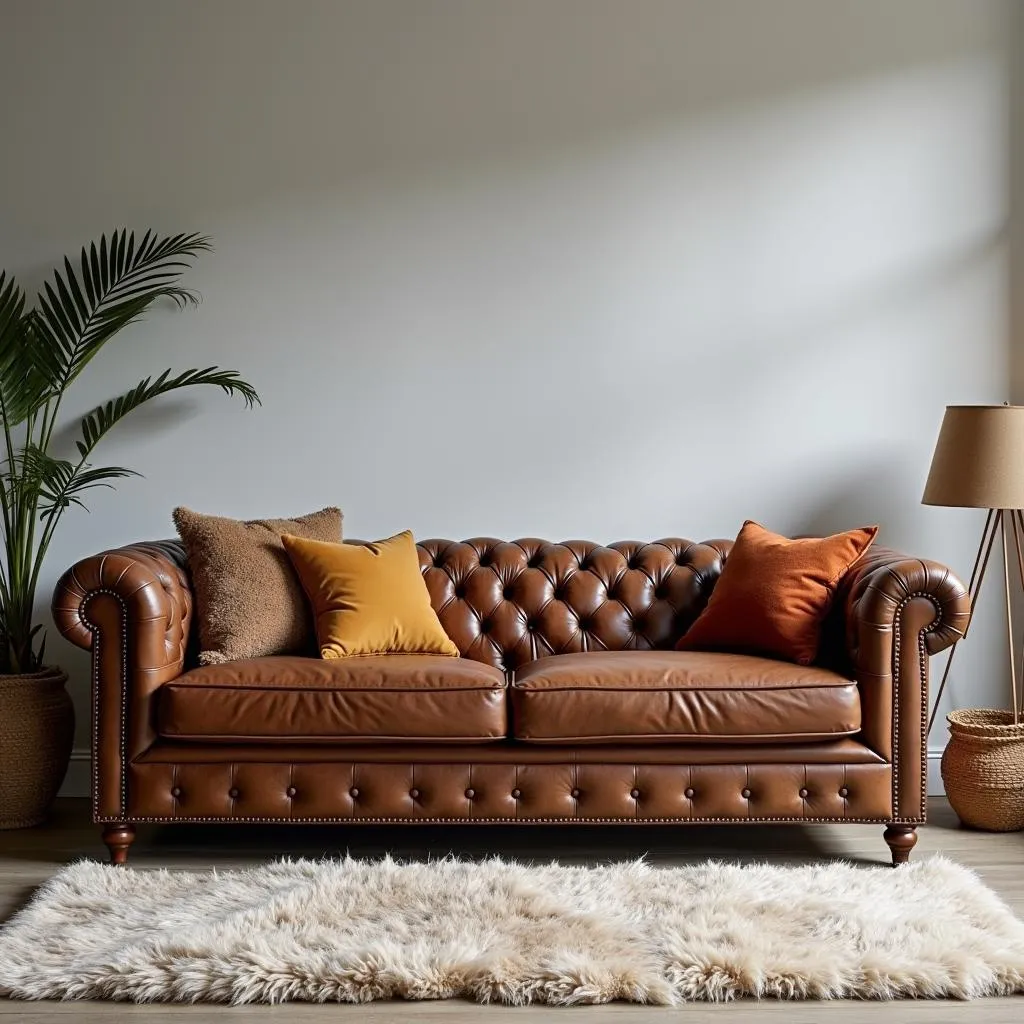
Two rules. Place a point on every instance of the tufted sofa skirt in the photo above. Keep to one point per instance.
(840, 781)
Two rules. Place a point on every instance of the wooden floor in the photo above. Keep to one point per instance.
(29, 856)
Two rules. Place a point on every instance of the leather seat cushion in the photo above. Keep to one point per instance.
(673, 696)
(418, 698)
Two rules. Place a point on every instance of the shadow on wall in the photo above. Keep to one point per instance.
(151, 420)
(869, 495)
(744, 392)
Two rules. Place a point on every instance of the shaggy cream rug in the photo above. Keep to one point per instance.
(503, 932)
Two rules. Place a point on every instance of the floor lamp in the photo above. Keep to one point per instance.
(979, 463)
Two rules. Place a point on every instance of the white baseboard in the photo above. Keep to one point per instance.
(77, 782)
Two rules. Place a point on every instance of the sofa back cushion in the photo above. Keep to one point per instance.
(507, 603)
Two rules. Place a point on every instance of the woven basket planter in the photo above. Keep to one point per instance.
(37, 726)
(983, 769)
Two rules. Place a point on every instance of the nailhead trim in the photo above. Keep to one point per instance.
(923, 675)
(922, 654)
(96, 635)
(123, 724)
(527, 821)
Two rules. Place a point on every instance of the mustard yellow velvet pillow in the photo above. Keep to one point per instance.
(368, 599)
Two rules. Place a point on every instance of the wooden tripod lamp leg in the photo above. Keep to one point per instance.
(1010, 614)
(988, 536)
(1009, 617)
(1017, 516)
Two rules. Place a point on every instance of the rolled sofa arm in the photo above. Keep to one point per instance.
(132, 607)
(899, 610)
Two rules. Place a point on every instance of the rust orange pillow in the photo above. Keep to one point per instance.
(774, 593)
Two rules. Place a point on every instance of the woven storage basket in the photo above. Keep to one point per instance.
(37, 726)
(983, 769)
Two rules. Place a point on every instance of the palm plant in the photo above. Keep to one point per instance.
(42, 351)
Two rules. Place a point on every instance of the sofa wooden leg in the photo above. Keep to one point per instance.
(118, 837)
(901, 839)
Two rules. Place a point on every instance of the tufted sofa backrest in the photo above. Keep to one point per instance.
(507, 603)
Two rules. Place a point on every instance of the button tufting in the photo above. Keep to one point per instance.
(844, 792)
(353, 792)
(688, 793)
(176, 792)
(803, 794)
(516, 794)
(635, 794)
(470, 793)
(233, 793)
(290, 791)
(575, 794)
(745, 794)
(507, 594)
(414, 793)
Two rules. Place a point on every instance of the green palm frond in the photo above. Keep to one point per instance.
(15, 355)
(104, 417)
(60, 483)
(77, 313)
(42, 352)
(12, 305)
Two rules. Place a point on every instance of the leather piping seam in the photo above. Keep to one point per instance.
(923, 675)
(523, 686)
(689, 737)
(221, 820)
(123, 724)
(144, 760)
(326, 739)
(340, 690)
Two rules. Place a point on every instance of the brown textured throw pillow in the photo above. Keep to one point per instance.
(249, 602)
(774, 593)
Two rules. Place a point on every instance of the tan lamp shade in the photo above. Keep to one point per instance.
(979, 458)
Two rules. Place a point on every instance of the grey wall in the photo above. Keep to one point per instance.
(1016, 265)
(550, 267)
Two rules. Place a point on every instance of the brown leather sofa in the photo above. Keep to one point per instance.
(568, 704)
